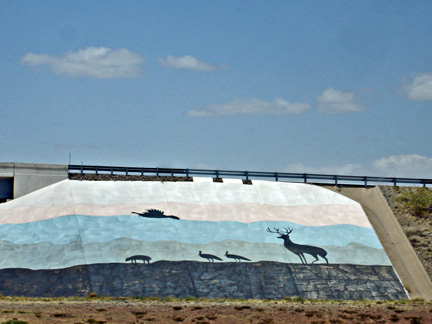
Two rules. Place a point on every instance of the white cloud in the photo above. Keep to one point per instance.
(347, 169)
(90, 62)
(421, 88)
(205, 166)
(189, 63)
(250, 106)
(336, 102)
(401, 166)
(409, 165)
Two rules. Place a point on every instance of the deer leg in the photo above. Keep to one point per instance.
(300, 256)
(316, 258)
(304, 258)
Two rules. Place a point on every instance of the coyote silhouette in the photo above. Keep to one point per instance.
(299, 249)
(143, 258)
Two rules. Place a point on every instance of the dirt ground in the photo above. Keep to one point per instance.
(138, 311)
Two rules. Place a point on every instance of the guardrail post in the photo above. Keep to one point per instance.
(127, 171)
(142, 172)
(336, 180)
(247, 175)
(187, 173)
(112, 172)
(365, 181)
(96, 170)
(157, 172)
(305, 177)
(82, 172)
(217, 174)
(172, 172)
(277, 176)
(394, 182)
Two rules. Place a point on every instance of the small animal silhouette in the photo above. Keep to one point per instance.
(299, 249)
(235, 257)
(209, 257)
(154, 213)
(143, 258)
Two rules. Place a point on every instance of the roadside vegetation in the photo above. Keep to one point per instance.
(412, 206)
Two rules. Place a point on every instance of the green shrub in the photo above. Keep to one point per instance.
(419, 200)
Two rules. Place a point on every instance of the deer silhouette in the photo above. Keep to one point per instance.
(209, 257)
(235, 257)
(299, 249)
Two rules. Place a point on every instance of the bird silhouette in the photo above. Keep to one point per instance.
(155, 213)
(209, 257)
(236, 257)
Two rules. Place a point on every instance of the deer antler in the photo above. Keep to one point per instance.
(276, 229)
(288, 230)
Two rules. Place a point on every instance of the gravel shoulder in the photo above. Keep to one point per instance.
(223, 311)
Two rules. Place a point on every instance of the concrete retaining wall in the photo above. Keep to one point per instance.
(399, 250)
(257, 280)
(193, 233)
(29, 177)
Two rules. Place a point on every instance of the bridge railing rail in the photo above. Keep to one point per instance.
(314, 178)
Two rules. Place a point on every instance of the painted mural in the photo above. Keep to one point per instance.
(82, 223)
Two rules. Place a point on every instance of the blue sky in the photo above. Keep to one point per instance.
(339, 87)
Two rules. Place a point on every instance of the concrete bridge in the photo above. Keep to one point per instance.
(82, 233)
(19, 179)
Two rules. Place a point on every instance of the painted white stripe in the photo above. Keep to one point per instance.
(201, 191)
(201, 200)
(312, 215)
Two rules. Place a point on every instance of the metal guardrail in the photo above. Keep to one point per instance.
(277, 176)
